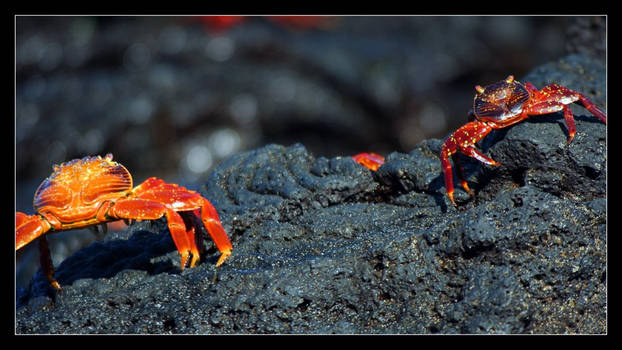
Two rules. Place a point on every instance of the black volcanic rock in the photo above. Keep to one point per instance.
(327, 246)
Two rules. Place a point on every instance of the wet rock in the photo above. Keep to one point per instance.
(323, 245)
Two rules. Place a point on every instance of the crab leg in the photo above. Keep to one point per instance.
(186, 200)
(143, 209)
(47, 266)
(590, 106)
(555, 98)
(548, 107)
(209, 217)
(461, 176)
(463, 140)
(191, 220)
(29, 227)
(184, 240)
(565, 95)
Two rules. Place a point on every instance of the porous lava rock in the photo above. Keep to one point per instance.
(327, 246)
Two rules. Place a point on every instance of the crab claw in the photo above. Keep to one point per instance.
(29, 227)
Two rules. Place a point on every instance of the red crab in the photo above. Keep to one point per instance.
(94, 190)
(371, 161)
(503, 104)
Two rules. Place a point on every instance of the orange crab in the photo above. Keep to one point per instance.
(93, 190)
(371, 161)
(500, 105)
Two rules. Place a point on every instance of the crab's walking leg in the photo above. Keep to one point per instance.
(184, 240)
(46, 262)
(461, 176)
(143, 209)
(158, 190)
(554, 98)
(209, 217)
(463, 140)
(562, 94)
(27, 229)
(192, 219)
(590, 106)
(548, 107)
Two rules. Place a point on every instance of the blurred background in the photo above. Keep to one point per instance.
(172, 96)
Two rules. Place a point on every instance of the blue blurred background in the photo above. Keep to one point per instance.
(173, 96)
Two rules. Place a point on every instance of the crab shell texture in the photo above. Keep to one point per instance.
(76, 190)
(501, 102)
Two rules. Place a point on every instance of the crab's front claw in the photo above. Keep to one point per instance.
(29, 227)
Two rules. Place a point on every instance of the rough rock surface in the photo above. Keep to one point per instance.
(178, 98)
(327, 246)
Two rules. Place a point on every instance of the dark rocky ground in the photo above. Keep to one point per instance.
(323, 245)
(172, 98)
